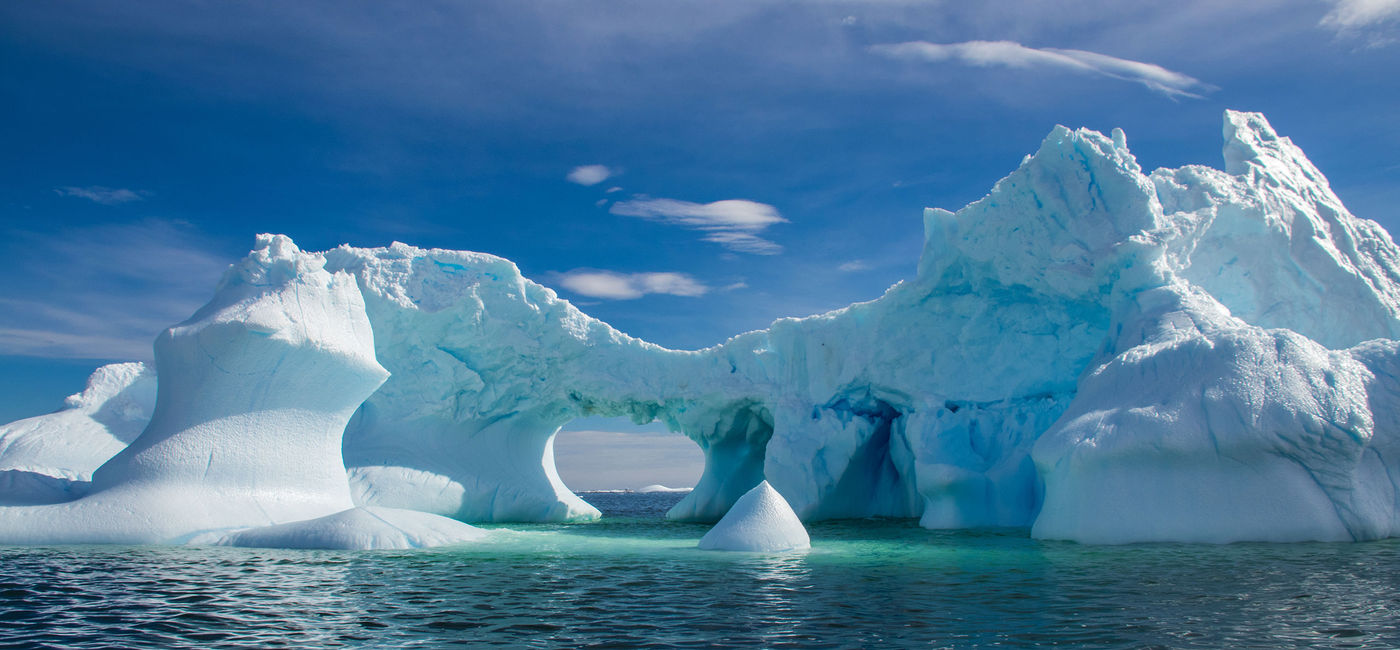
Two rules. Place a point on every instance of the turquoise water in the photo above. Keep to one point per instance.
(634, 580)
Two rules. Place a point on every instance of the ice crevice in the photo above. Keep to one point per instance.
(1095, 352)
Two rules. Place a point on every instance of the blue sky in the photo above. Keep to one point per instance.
(683, 170)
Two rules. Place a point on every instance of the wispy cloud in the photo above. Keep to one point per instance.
(853, 266)
(1363, 17)
(589, 174)
(732, 223)
(103, 292)
(1011, 54)
(100, 194)
(1360, 13)
(628, 286)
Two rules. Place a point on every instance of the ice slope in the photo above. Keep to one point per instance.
(760, 521)
(1198, 427)
(1101, 353)
(50, 458)
(254, 394)
(1269, 239)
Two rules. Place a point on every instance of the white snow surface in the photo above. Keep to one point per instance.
(760, 521)
(1100, 353)
(51, 458)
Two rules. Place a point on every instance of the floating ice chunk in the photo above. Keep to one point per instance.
(760, 521)
(359, 529)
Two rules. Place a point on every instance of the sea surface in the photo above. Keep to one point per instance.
(634, 580)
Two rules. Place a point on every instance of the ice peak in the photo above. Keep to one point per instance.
(1086, 144)
(1120, 140)
(106, 383)
(1252, 146)
(277, 246)
(275, 260)
(1058, 223)
(1248, 137)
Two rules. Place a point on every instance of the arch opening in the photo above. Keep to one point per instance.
(600, 456)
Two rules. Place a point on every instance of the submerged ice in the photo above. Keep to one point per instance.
(1099, 353)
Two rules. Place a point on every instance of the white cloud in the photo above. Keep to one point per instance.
(613, 189)
(1361, 16)
(1011, 54)
(103, 195)
(589, 174)
(732, 223)
(853, 266)
(1359, 13)
(628, 286)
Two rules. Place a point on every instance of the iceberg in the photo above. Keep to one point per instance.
(761, 521)
(1092, 351)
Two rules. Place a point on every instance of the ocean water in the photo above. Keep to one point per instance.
(634, 580)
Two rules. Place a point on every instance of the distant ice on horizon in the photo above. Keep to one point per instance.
(660, 488)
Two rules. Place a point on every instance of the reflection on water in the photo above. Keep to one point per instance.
(636, 581)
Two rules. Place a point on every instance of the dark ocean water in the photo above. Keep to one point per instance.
(634, 580)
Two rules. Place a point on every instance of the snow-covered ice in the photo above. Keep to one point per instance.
(51, 458)
(1097, 352)
(760, 521)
